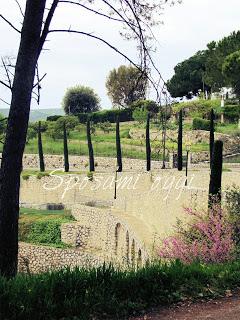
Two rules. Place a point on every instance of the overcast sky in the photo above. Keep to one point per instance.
(74, 59)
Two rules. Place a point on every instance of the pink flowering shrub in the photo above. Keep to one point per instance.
(207, 238)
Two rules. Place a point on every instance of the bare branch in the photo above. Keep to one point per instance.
(47, 25)
(20, 8)
(92, 10)
(5, 103)
(39, 80)
(9, 23)
(7, 73)
(6, 85)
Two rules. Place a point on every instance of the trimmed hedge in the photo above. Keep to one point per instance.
(232, 112)
(107, 116)
(201, 124)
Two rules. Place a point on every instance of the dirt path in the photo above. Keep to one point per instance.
(222, 309)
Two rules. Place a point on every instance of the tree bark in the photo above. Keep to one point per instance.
(40, 148)
(13, 149)
(65, 146)
(211, 137)
(215, 184)
(148, 143)
(90, 148)
(118, 146)
(180, 138)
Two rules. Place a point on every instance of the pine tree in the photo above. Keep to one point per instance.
(180, 138)
(118, 146)
(65, 146)
(40, 148)
(148, 143)
(90, 147)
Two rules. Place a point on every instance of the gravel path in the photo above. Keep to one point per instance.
(222, 309)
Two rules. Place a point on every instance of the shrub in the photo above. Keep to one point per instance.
(140, 114)
(201, 124)
(25, 176)
(90, 176)
(233, 207)
(207, 238)
(53, 118)
(107, 116)
(40, 175)
(232, 112)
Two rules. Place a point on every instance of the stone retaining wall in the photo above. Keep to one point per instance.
(36, 259)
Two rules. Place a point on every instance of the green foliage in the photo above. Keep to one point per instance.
(55, 128)
(140, 114)
(90, 175)
(53, 118)
(216, 53)
(231, 112)
(106, 292)
(201, 124)
(188, 77)
(31, 134)
(107, 116)
(40, 175)
(198, 108)
(42, 226)
(26, 176)
(80, 99)
(149, 105)
(126, 85)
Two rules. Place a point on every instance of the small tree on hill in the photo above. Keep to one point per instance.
(126, 85)
(80, 99)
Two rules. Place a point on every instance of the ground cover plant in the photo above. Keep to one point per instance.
(107, 292)
(42, 227)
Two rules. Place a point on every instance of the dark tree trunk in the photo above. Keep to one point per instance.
(13, 149)
(180, 140)
(90, 148)
(118, 146)
(65, 146)
(148, 143)
(216, 174)
(211, 137)
(40, 148)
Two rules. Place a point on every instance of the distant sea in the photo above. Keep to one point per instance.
(38, 114)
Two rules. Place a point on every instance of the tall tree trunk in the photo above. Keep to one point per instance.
(118, 146)
(148, 143)
(13, 149)
(180, 141)
(90, 148)
(215, 184)
(211, 137)
(65, 146)
(40, 148)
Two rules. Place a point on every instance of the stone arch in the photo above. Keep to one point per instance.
(127, 246)
(133, 252)
(139, 258)
(117, 236)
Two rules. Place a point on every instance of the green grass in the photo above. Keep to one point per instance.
(106, 292)
(42, 226)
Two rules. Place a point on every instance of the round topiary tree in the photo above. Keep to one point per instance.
(80, 99)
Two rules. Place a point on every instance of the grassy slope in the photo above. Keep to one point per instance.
(42, 226)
